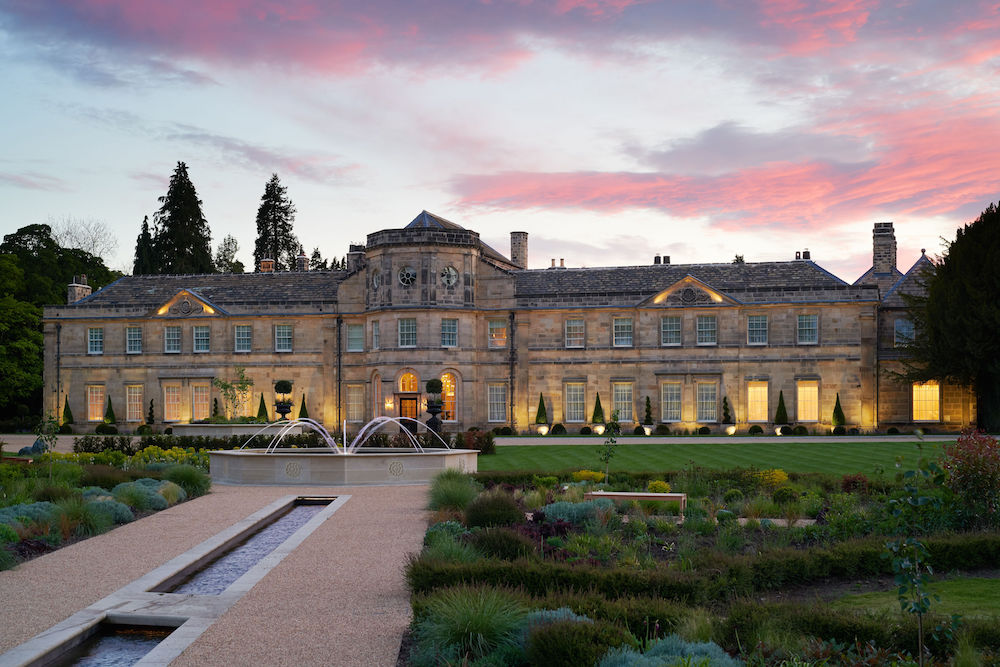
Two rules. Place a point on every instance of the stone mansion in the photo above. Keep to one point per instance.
(431, 300)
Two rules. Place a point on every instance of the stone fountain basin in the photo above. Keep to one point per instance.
(320, 466)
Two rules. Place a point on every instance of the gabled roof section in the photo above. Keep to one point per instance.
(431, 221)
(689, 291)
(869, 276)
(908, 283)
(188, 303)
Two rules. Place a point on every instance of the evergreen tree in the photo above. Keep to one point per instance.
(541, 417)
(225, 256)
(303, 412)
(150, 417)
(109, 414)
(727, 416)
(262, 409)
(838, 413)
(275, 239)
(316, 262)
(67, 416)
(781, 415)
(598, 417)
(648, 418)
(145, 262)
(182, 242)
(956, 320)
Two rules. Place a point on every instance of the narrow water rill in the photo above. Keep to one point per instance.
(153, 619)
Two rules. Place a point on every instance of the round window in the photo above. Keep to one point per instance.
(407, 276)
(376, 279)
(449, 276)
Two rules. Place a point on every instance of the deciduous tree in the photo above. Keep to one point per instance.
(225, 256)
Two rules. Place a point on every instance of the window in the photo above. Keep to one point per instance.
(171, 340)
(171, 403)
(808, 330)
(807, 401)
(243, 405)
(202, 341)
(707, 333)
(926, 402)
(576, 403)
(496, 396)
(133, 340)
(902, 333)
(621, 393)
(497, 333)
(376, 279)
(757, 330)
(377, 410)
(408, 382)
(200, 402)
(706, 401)
(449, 332)
(757, 401)
(244, 338)
(574, 333)
(95, 402)
(407, 276)
(670, 402)
(355, 402)
(283, 338)
(407, 329)
(133, 402)
(670, 330)
(449, 276)
(449, 397)
(95, 340)
(375, 335)
(355, 338)
(622, 327)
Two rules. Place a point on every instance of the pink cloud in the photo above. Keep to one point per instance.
(31, 180)
(817, 24)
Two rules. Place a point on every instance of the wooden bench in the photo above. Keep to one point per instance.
(680, 498)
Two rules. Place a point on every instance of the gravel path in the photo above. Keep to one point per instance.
(339, 599)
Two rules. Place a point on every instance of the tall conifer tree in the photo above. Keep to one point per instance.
(182, 242)
(275, 239)
(145, 258)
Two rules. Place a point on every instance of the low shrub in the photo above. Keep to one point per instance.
(784, 495)
(558, 429)
(493, 508)
(7, 560)
(65, 429)
(892, 431)
(502, 543)
(194, 481)
(144, 429)
(704, 430)
(586, 430)
(755, 430)
(800, 430)
(541, 617)
(471, 622)
(119, 513)
(452, 489)
(105, 476)
(661, 429)
(857, 483)
(481, 441)
(671, 650)
(451, 550)
(53, 493)
(7, 535)
(638, 430)
(725, 517)
(839, 430)
(732, 496)
(140, 497)
(576, 513)
(171, 492)
(587, 476)
(544, 481)
(75, 517)
(658, 486)
(785, 430)
(41, 512)
(772, 478)
(106, 429)
(572, 643)
(972, 464)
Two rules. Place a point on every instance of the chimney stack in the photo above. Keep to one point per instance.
(78, 289)
(302, 262)
(798, 255)
(519, 249)
(656, 259)
(553, 263)
(562, 263)
(806, 254)
(883, 248)
(267, 265)
(666, 259)
(355, 257)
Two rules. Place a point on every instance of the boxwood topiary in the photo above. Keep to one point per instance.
(800, 430)
(839, 430)
(493, 508)
(586, 430)
(558, 429)
(106, 429)
(704, 430)
(638, 430)
(755, 430)
(661, 429)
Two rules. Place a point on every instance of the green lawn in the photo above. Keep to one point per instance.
(969, 597)
(831, 457)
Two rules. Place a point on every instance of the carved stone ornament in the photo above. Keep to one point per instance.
(186, 307)
(688, 296)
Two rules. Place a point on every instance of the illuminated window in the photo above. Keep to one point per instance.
(621, 393)
(622, 331)
(574, 333)
(200, 402)
(807, 401)
(133, 402)
(757, 330)
(171, 340)
(707, 331)
(707, 401)
(133, 340)
(498, 333)
(670, 401)
(808, 329)
(449, 398)
(670, 330)
(902, 332)
(407, 330)
(95, 402)
(282, 337)
(171, 403)
(202, 340)
(408, 382)
(95, 340)
(243, 338)
(355, 338)
(449, 332)
(355, 402)
(576, 408)
(757, 401)
(926, 402)
(496, 397)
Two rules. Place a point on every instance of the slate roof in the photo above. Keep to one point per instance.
(870, 275)
(429, 220)
(763, 282)
(221, 289)
(908, 283)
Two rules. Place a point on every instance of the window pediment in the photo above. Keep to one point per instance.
(188, 304)
(689, 291)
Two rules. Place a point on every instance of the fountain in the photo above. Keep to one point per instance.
(335, 464)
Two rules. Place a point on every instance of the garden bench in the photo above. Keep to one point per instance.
(681, 498)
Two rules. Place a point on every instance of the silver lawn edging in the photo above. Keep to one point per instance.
(138, 603)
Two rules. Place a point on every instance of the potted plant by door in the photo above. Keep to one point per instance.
(283, 392)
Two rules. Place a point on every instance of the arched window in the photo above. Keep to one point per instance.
(449, 401)
(408, 382)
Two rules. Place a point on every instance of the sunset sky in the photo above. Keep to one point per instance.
(609, 130)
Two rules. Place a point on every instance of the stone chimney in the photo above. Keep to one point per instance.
(519, 249)
(78, 289)
(883, 248)
(267, 265)
(301, 261)
(355, 257)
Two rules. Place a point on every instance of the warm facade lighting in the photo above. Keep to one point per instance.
(730, 430)
(599, 429)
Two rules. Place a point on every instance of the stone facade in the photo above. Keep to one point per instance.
(432, 300)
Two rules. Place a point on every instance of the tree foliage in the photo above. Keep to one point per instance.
(316, 261)
(598, 416)
(144, 263)
(957, 318)
(182, 241)
(541, 416)
(781, 415)
(87, 234)
(838, 414)
(275, 238)
(225, 256)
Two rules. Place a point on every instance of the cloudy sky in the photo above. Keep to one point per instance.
(610, 130)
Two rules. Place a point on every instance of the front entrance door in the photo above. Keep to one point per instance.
(408, 408)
